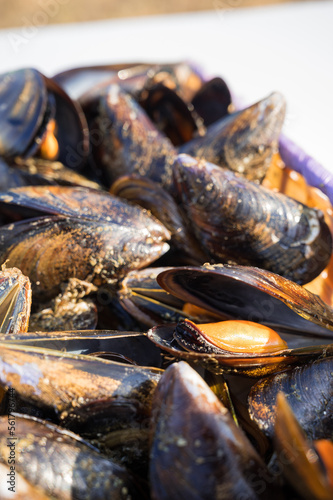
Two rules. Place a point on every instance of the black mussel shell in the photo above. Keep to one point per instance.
(238, 221)
(213, 101)
(62, 464)
(244, 141)
(133, 345)
(309, 393)
(197, 443)
(252, 294)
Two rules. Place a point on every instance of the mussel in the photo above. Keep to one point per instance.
(239, 221)
(302, 321)
(91, 236)
(243, 141)
(125, 141)
(309, 392)
(38, 118)
(197, 442)
(77, 389)
(62, 464)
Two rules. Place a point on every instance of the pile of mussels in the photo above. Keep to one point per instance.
(165, 293)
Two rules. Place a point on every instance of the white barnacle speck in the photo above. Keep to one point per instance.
(181, 442)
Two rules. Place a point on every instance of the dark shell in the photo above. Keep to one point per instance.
(62, 464)
(125, 141)
(213, 101)
(252, 294)
(153, 197)
(142, 297)
(32, 100)
(24, 98)
(15, 301)
(172, 116)
(102, 237)
(309, 392)
(77, 81)
(300, 462)
(198, 445)
(239, 221)
(132, 345)
(79, 389)
(244, 141)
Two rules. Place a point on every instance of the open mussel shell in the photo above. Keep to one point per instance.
(31, 101)
(15, 301)
(172, 116)
(301, 463)
(309, 392)
(62, 464)
(197, 443)
(238, 221)
(243, 141)
(134, 346)
(248, 364)
(252, 294)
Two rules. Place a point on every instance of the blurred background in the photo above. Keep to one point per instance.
(42, 12)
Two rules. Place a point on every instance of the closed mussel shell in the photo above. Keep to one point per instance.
(77, 388)
(309, 393)
(125, 141)
(243, 141)
(62, 465)
(197, 443)
(96, 236)
(239, 221)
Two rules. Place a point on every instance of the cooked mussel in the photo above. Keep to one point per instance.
(251, 294)
(94, 236)
(198, 444)
(236, 220)
(243, 141)
(79, 390)
(302, 323)
(125, 141)
(62, 464)
(309, 391)
(38, 118)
